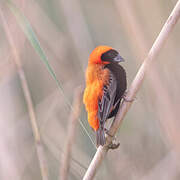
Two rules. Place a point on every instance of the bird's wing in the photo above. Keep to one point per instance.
(105, 104)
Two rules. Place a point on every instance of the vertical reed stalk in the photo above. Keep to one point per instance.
(28, 99)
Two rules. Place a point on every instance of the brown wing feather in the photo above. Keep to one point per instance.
(105, 106)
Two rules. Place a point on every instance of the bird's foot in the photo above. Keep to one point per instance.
(114, 144)
(124, 97)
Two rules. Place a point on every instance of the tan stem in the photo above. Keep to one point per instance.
(28, 99)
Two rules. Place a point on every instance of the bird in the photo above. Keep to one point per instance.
(105, 86)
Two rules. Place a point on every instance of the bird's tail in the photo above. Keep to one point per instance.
(100, 137)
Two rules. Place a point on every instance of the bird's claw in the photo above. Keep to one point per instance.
(114, 144)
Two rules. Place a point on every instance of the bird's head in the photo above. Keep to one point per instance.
(104, 55)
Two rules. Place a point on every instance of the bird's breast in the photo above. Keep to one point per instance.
(96, 78)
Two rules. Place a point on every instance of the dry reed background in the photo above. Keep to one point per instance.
(68, 31)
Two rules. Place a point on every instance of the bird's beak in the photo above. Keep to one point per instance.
(118, 59)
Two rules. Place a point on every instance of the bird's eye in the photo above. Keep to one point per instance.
(112, 54)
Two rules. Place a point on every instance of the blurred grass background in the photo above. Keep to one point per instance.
(68, 31)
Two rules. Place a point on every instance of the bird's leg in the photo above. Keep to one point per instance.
(107, 132)
(114, 144)
(126, 99)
